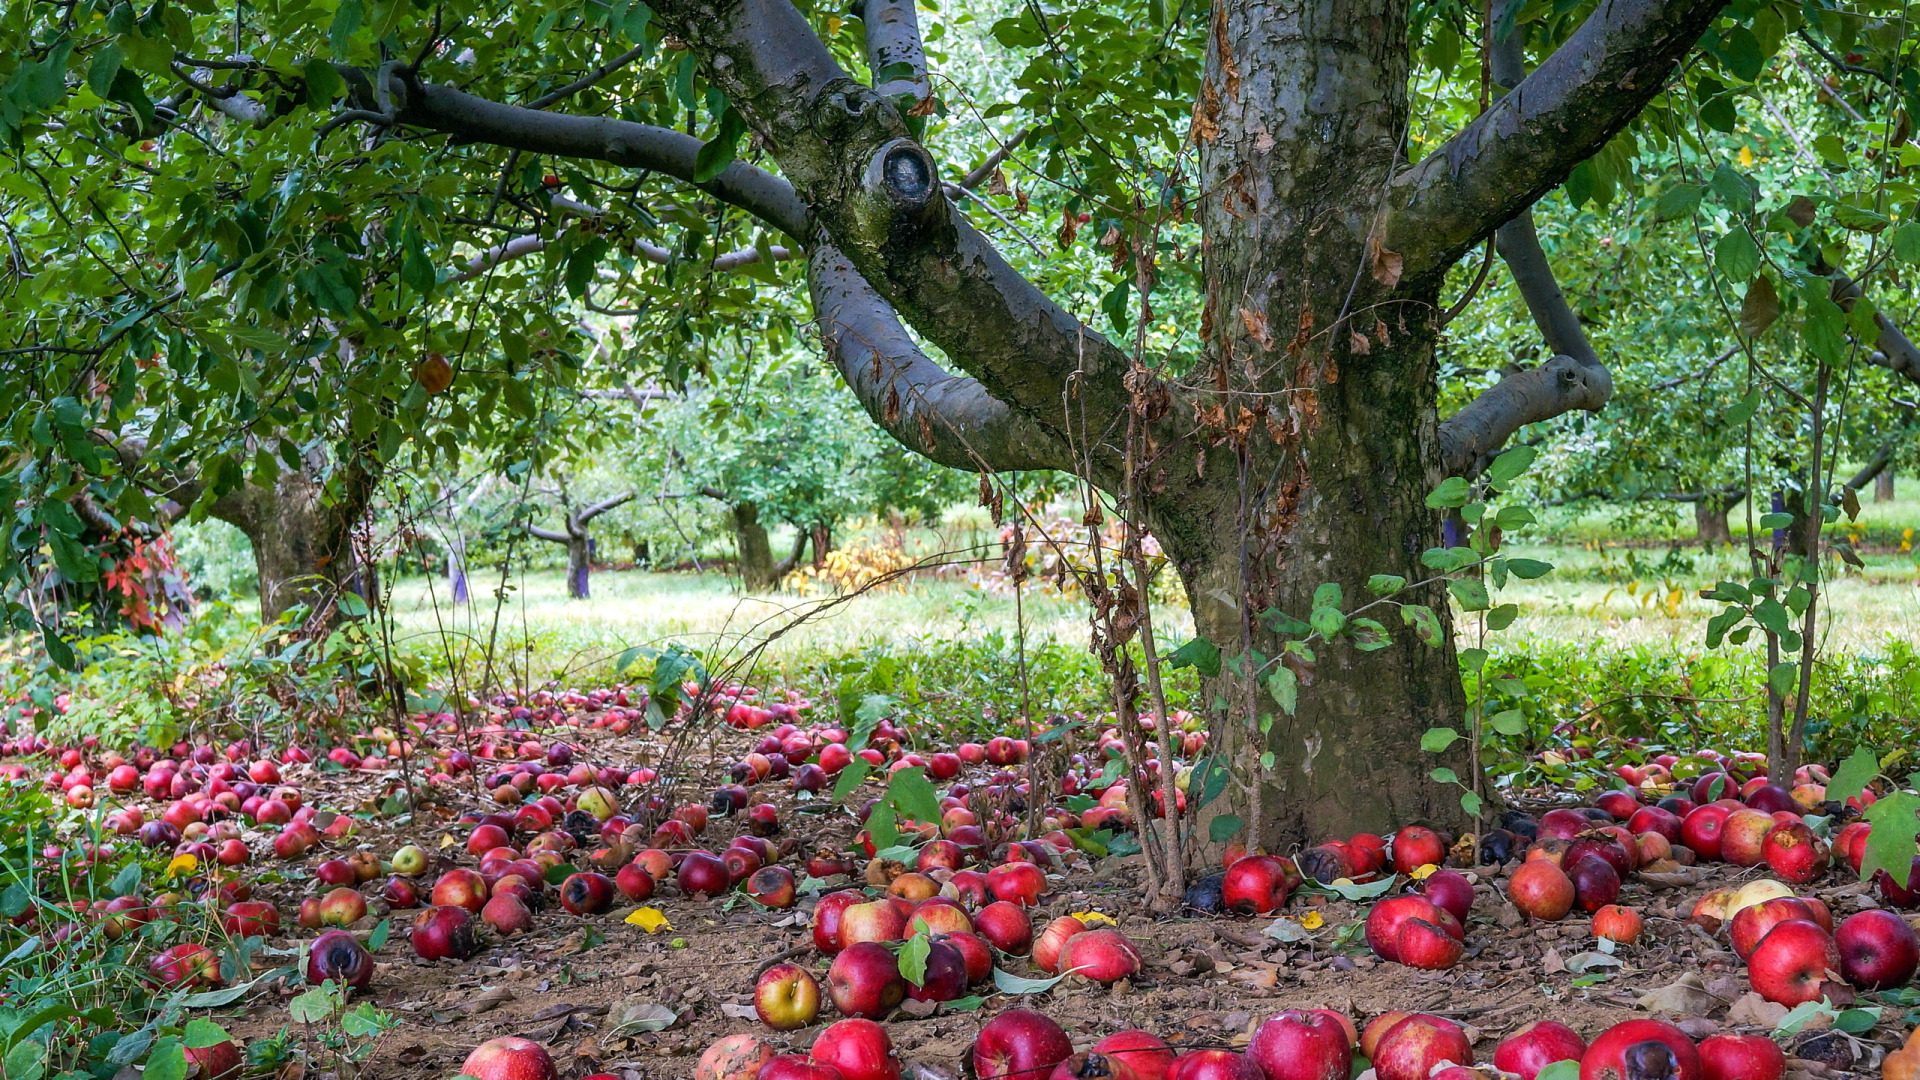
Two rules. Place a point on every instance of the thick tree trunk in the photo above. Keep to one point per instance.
(757, 572)
(1883, 486)
(1710, 523)
(302, 545)
(1327, 380)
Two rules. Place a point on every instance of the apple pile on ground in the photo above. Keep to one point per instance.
(547, 828)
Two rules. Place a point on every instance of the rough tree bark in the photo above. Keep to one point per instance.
(1304, 451)
(1883, 486)
(300, 528)
(578, 537)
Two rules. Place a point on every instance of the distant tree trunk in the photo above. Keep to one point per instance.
(579, 541)
(642, 553)
(1710, 512)
(1883, 486)
(457, 567)
(822, 543)
(756, 552)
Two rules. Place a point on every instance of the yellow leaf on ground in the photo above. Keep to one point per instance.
(447, 842)
(1095, 918)
(182, 865)
(649, 919)
(1423, 871)
(1312, 921)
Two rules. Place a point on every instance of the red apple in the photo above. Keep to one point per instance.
(1753, 922)
(444, 933)
(507, 914)
(1619, 924)
(1878, 950)
(864, 981)
(1743, 837)
(1641, 1048)
(338, 956)
(1052, 940)
(510, 1058)
(461, 888)
(1212, 1065)
(938, 915)
(1412, 1047)
(251, 918)
(1541, 890)
(1136, 1055)
(786, 997)
(1254, 885)
(1792, 964)
(1104, 956)
(1416, 846)
(826, 919)
(1006, 926)
(1794, 854)
(1019, 1044)
(975, 951)
(878, 920)
(860, 1049)
(1018, 883)
(736, 1057)
(633, 882)
(1537, 1046)
(1420, 944)
(945, 977)
(1654, 819)
(772, 886)
(702, 873)
(1701, 830)
(1383, 922)
(187, 965)
(1741, 1057)
(1302, 1045)
(1450, 891)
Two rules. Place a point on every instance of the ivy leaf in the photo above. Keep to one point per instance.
(1890, 846)
(1853, 775)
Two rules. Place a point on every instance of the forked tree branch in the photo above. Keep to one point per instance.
(1479, 430)
(948, 418)
(1526, 143)
(1892, 349)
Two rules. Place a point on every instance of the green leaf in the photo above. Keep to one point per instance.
(1471, 593)
(1735, 255)
(1502, 617)
(106, 64)
(1284, 687)
(1435, 740)
(1783, 678)
(201, 1034)
(1775, 520)
(1510, 466)
(1327, 622)
(1890, 846)
(1359, 892)
(1905, 242)
(167, 1062)
(1453, 491)
(126, 882)
(1385, 584)
(1200, 654)
(1424, 622)
(1858, 219)
(1444, 775)
(1743, 410)
(913, 958)
(1560, 1070)
(27, 1060)
(1014, 984)
(1798, 1016)
(1678, 201)
(1853, 775)
(1508, 722)
(1857, 1021)
(913, 797)
(718, 153)
(850, 778)
(1528, 569)
(378, 939)
(1470, 803)
(1223, 828)
(323, 82)
(346, 20)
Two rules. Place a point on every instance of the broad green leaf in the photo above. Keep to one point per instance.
(1224, 827)
(1890, 846)
(1853, 775)
(1200, 654)
(1385, 584)
(1434, 740)
(913, 958)
(1285, 688)
(1453, 491)
(1510, 466)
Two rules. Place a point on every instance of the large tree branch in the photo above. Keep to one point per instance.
(620, 142)
(876, 193)
(949, 418)
(552, 535)
(1892, 349)
(1526, 143)
(1523, 398)
(1560, 385)
(601, 507)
